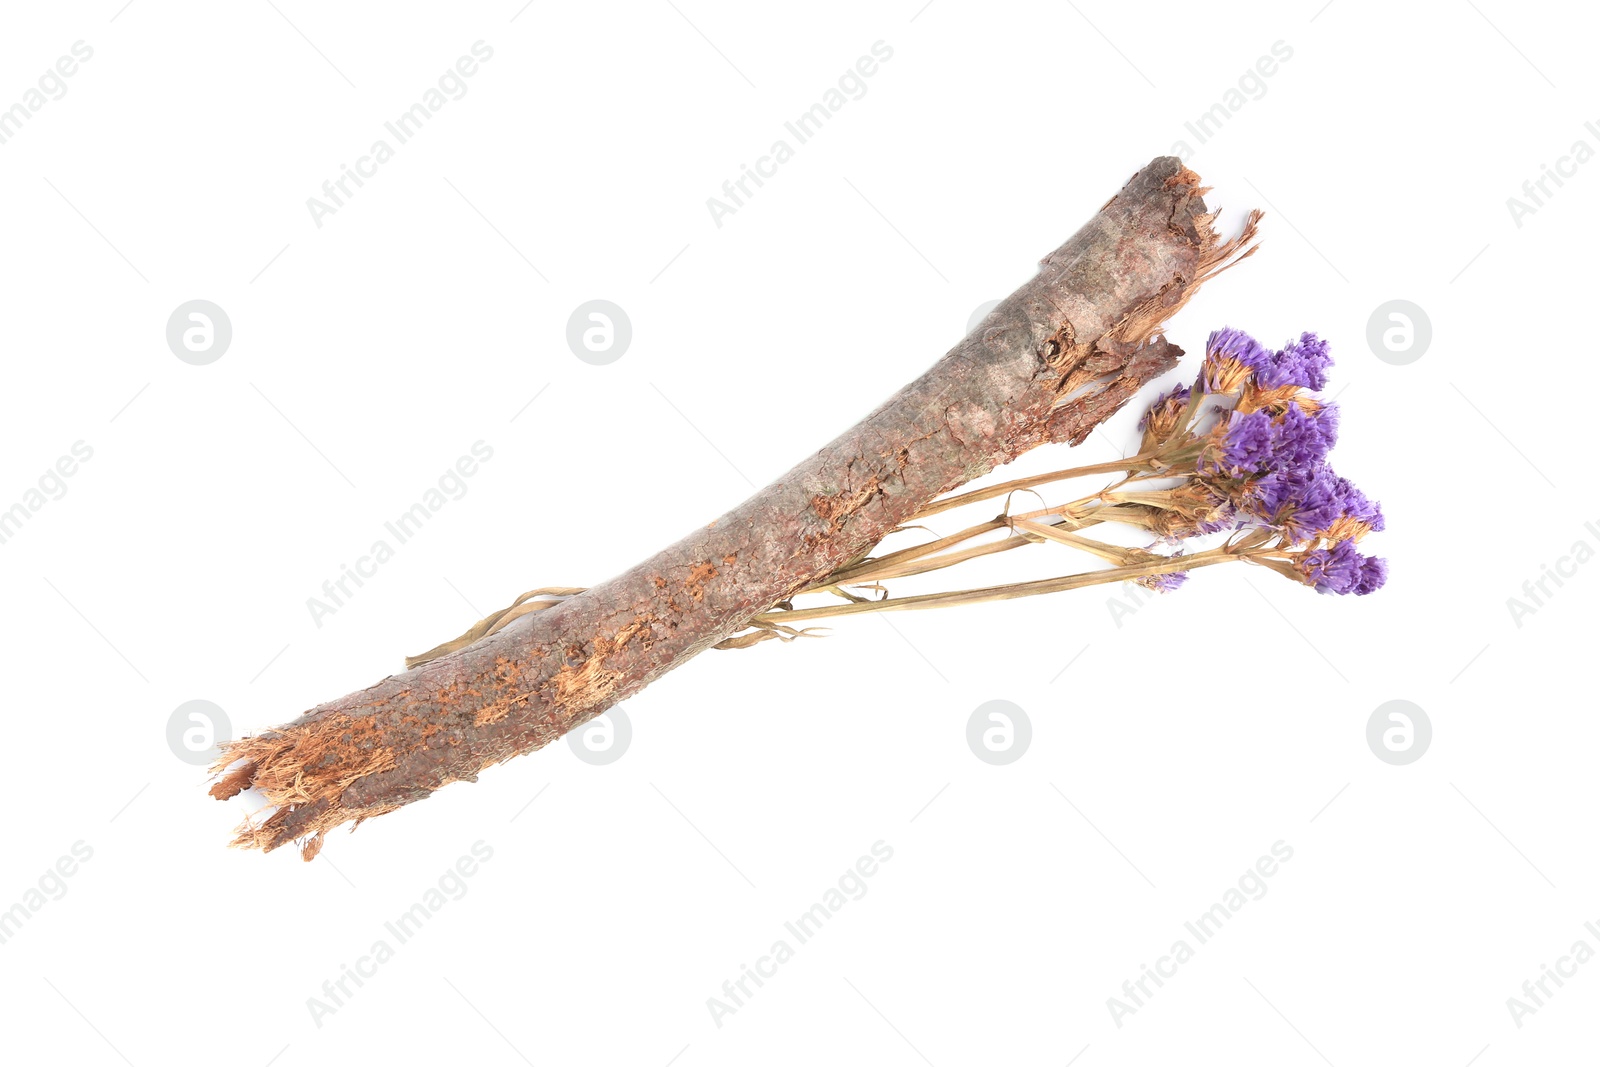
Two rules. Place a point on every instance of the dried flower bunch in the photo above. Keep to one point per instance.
(1231, 469)
(1243, 453)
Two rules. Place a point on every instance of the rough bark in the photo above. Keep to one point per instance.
(1061, 354)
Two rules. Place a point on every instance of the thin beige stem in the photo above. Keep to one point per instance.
(1166, 565)
(1110, 553)
(869, 569)
(990, 492)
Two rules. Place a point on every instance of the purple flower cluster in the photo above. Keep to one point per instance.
(1258, 443)
(1247, 443)
(1265, 462)
(1224, 348)
(1305, 440)
(1311, 502)
(1302, 500)
(1268, 458)
(1353, 504)
(1168, 405)
(1302, 364)
(1162, 583)
(1342, 569)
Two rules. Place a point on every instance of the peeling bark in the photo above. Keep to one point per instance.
(1052, 361)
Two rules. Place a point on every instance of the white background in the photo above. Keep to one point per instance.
(1169, 752)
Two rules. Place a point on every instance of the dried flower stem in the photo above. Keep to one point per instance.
(1032, 482)
(1011, 591)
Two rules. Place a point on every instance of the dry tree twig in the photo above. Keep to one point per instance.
(1060, 355)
